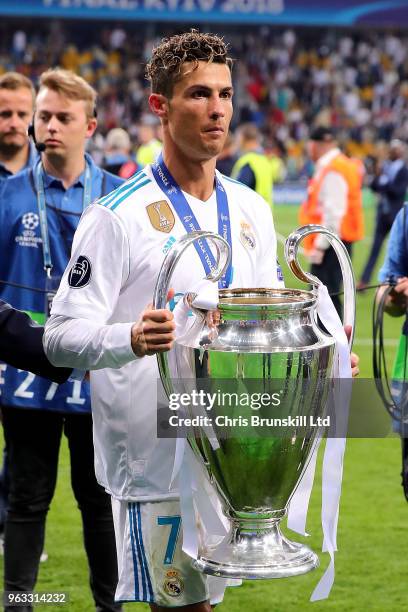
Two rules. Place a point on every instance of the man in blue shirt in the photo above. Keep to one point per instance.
(17, 97)
(39, 212)
(391, 184)
(396, 263)
(395, 270)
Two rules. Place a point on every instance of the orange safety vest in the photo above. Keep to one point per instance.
(352, 224)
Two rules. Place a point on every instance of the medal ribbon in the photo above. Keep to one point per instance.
(183, 210)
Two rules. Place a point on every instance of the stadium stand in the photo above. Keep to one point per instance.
(286, 81)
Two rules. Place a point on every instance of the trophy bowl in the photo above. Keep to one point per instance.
(265, 342)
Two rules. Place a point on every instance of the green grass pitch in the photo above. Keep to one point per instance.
(371, 563)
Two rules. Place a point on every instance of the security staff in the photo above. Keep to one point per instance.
(335, 201)
(17, 96)
(253, 168)
(39, 212)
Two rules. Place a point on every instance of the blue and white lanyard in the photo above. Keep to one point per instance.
(39, 183)
(173, 192)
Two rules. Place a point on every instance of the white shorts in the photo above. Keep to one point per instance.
(151, 564)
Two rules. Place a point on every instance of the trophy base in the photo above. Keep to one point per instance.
(261, 553)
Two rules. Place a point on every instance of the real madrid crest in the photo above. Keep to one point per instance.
(246, 236)
(161, 216)
(173, 584)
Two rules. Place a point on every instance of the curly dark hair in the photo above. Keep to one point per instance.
(165, 66)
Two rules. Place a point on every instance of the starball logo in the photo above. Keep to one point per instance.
(30, 220)
(29, 235)
(80, 273)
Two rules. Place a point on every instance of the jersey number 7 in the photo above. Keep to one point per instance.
(174, 522)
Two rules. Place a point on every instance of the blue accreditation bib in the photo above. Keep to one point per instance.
(21, 238)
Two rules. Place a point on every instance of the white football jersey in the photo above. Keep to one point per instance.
(117, 253)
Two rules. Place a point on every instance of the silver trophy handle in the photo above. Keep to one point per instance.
(164, 279)
(291, 250)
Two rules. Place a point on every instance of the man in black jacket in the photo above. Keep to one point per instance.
(21, 345)
(391, 184)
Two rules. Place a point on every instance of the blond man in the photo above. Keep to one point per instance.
(17, 97)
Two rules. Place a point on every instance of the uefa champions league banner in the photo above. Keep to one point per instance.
(284, 12)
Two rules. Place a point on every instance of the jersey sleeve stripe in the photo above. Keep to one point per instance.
(116, 203)
(125, 187)
(130, 181)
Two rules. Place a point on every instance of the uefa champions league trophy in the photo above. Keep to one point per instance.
(265, 335)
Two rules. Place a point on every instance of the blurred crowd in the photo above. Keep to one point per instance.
(286, 82)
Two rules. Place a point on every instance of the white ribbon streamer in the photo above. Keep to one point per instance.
(192, 479)
(207, 295)
(299, 503)
(194, 495)
(334, 452)
(332, 472)
(205, 498)
(188, 518)
(188, 328)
